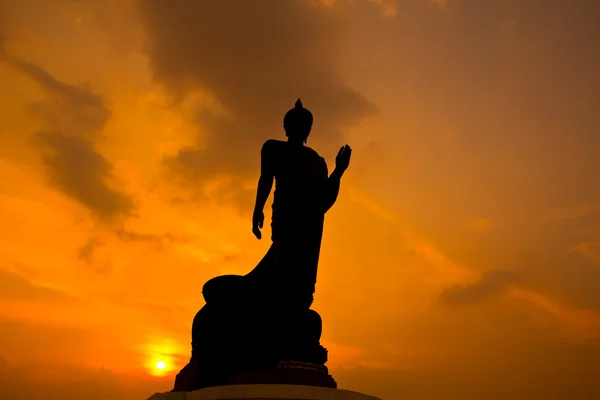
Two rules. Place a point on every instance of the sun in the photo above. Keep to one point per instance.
(161, 365)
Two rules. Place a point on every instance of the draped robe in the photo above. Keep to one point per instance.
(289, 269)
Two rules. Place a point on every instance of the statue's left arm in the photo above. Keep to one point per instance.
(332, 185)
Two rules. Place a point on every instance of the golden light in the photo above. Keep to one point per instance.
(161, 365)
(161, 355)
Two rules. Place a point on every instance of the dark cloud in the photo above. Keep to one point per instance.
(68, 107)
(14, 287)
(86, 252)
(255, 58)
(80, 172)
(570, 276)
(132, 236)
(74, 116)
(491, 284)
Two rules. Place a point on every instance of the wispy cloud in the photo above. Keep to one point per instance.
(572, 323)
(14, 287)
(588, 250)
(577, 211)
(568, 322)
(444, 4)
(492, 283)
(389, 8)
(446, 272)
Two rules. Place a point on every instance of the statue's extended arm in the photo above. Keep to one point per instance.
(332, 189)
(332, 186)
(265, 184)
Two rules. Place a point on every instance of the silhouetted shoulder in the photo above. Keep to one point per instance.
(272, 144)
(314, 155)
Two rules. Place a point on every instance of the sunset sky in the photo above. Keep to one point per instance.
(461, 261)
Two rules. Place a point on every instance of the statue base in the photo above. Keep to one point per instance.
(264, 392)
(288, 373)
(194, 377)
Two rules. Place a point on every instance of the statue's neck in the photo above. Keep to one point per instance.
(296, 142)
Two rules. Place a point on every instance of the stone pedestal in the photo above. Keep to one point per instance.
(264, 392)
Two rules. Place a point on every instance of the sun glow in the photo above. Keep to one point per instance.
(162, 355)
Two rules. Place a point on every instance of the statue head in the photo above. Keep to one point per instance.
(298, 122)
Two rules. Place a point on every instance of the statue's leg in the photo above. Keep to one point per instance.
(263, 269)
(296, 248)
(225, 289)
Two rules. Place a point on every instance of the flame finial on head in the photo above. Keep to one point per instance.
(299, 103)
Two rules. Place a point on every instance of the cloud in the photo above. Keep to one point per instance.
(389, 8)
(348, 357)
(588, 250)
(80, 172)
(255, 59)
(571, 323)
(445, 271)
(440, 3)
(551, 375)
(22, 340)
(163, 316)
(86, 252)
(576, 212)
(444, 4)
(131, 236)
(491, 284)
(38, 381)
(14, 287)
(568, 322)
(72, 108)
(73, 117)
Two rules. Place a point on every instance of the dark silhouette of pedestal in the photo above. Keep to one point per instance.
(252, 331)
(264, 392)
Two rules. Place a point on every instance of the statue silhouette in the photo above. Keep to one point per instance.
(259, 328)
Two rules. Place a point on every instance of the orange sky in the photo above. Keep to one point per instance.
(462, 260)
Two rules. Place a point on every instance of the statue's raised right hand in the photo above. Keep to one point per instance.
(258, 219)
(342, 160)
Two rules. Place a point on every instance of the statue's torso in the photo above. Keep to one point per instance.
(299, 176)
